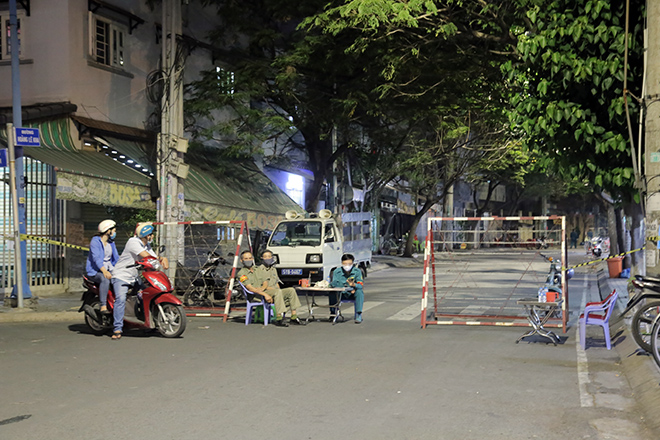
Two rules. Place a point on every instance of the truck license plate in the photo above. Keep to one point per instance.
(291, 271)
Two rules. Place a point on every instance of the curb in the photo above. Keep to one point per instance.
(640, 369)
(29, 315)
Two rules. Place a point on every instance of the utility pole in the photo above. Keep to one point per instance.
(652, 130)
(171, 143)
(17, 170)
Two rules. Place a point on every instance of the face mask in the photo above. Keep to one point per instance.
(269, 261)
(347, 267)
(248, 263)
(112, 236)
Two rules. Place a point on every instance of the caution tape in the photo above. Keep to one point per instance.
(603, 259)
(46, 240)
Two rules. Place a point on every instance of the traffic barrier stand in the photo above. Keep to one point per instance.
(476, 268)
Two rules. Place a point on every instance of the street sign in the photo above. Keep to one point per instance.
(27, 137)
(3, 157)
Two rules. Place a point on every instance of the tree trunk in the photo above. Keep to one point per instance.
(411, 235)
(620, 245)
(611, 229)
(636, 260)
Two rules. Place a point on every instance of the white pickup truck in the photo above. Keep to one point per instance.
(312, 247)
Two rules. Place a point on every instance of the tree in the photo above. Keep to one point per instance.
(567, 90)
(437, 84)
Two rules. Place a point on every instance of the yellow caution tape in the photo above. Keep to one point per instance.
(604, 259)
(46, 240)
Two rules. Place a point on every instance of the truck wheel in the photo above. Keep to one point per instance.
(364, 271)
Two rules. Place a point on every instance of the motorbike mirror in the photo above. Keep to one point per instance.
(161, 249)
(230, 254)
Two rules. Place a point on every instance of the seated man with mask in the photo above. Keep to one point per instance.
(263, 280)
(350, 277)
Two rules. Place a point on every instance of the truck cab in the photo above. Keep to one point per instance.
(312, 247)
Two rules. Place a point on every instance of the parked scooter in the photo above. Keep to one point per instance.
(552, 286)
(150, 303)
(595, 246)
(205, 285)
(646, 289)
(541, 243)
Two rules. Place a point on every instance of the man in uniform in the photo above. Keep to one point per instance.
(263, 280)
(350, 277)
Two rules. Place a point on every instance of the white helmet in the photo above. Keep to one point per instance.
(106, 225)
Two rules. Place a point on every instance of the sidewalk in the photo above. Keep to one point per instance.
(60, 308)
(639, 367)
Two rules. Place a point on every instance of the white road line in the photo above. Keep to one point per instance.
(408, 314)
(586, 399)
(371, 304)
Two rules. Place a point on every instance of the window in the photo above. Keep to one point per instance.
(5, 35)
(107, 42)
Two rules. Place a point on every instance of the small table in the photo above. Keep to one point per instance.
(533, 306)
(324, 290)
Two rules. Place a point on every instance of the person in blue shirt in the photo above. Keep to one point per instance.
(350, 277)
(102, 258)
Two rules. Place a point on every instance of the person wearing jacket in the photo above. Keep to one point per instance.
(350, 277)
(102, 258)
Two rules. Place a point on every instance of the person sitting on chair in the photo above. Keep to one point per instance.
(263, 280)
(350, 277)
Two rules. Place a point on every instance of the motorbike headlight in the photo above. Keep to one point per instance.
(158, 284)
(314, 258)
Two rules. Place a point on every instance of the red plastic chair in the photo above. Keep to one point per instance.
(598, 313)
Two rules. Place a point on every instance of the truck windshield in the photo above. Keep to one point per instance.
(297, 234)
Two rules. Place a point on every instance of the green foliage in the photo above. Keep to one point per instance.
(567, 89)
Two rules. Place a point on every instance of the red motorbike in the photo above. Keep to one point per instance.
(150, 303)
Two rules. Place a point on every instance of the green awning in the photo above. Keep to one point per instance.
(253, 197)
(91, 177)
(54, 134)
(243, 192)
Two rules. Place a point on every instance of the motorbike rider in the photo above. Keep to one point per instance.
(123, 276)
(102, 258)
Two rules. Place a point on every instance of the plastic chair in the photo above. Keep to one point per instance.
(252, 304)
(591, 316)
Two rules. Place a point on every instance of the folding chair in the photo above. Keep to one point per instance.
(592, 317)
(338, 313)
(252, 304)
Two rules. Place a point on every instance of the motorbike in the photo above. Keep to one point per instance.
(595, 246)
(541, 243)
(205, 285)
(647, 289)
(552, 289)
(150, 303)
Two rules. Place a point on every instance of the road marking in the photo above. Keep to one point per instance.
(586, 399)
(475, 310)
(408, 314)
(368, 305)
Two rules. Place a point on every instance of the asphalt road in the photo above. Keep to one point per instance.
(383, 379)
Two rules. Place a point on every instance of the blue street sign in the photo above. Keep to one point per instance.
(3, 157)
(27, 137)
